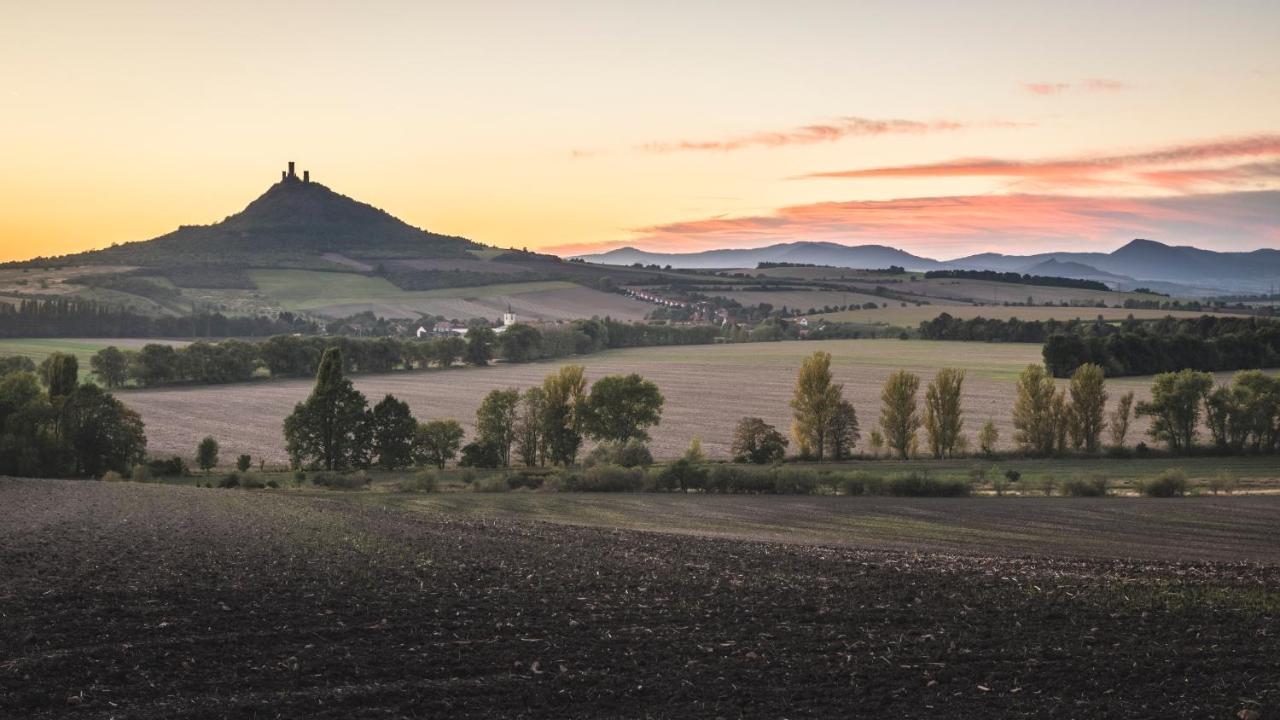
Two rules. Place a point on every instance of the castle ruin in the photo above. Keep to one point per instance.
(291, 176)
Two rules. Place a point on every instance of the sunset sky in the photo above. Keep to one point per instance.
(940, 128)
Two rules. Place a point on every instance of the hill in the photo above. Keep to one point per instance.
(811, 253)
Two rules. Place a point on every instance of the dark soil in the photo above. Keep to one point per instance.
(139, 601)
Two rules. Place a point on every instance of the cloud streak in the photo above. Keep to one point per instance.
(843, 128)
(1140, 167)
(1090, 85)
(973, 223)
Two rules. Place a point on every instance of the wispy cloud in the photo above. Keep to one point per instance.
(1135, 167)
(840, 129)
(1090, 85)
(971, 223)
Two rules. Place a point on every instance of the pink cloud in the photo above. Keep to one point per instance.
(840, 129)
(1044, 88)
(1091, 85)
(974, 223)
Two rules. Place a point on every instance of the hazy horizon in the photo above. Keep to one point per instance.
(581, 127)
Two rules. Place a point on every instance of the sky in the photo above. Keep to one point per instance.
(940, 128)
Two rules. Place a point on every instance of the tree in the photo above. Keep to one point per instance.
(1062, 421)
(479, 344)
(243, 462)
(943, 421)
(814, 403)
(562, 414)
(110, 365)
(520, 343)
(899, 417)
(1033, 417)
(100, 432)
(875, 442)
(622, 407)
(988, 436)
(1259, 397)
(330, 429)
(1120, 419)
(479, 454)
(1088, 407)
(60, 373)
(1226, 419)
(1175, 407)
(496, 420)
(436, 442)
(207, 453)
(27, 446)
(391, 427)
(756, 441)
(449, 350)
(529, 441)
(842, 431)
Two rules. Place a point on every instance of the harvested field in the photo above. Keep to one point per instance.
(707, 389)
(144, 601)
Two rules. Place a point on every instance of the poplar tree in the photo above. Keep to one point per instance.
(330, 429)
(815, 402)
(899, 416)
(1088, 407)
(943, 419)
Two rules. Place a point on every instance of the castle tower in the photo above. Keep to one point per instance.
(306, 176)
(292, 175)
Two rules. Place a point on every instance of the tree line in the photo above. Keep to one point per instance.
(335, 429)
(71, 317)
(283, 356)
(1018, 279)
(51, 425)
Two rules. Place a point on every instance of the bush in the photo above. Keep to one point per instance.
(141, 473)
(243, 462)
(252, 482)
(273, 484)
(632, 453)
(1095, 486)
(918, 484)
(342, 481)
(796, 481)
(489, 484)
(861, 483)
(299, 477)
(1170, 483)
(173, 467)
(683, 474)
(531, 478)
(425, 481)
(230, 480)
(112, 476)
(1223, 482)
(603, 478)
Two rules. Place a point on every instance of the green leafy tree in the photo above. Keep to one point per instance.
(756, 441)
(1088, 407)
(875, 442)
(391, 425)
(814, 403)
(111, 366)
(988, 437)
(449, 350)
(496, 421)
(899, 416)
(520, 343)
(1259, 397)
(480, 339)
(562, 414)
(1174, 408)
(842, 430)
(26, 415)
(1120, 417)
(330, 429)
(943, 418)
(207, 453)
(529, 440)
(100, 432)
(622, 407)
(243, 463)
(60, 372)
(436, 442)
(1033, 411)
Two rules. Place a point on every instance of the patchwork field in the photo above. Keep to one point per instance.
(708, 389)
(341, 294)
(147, 601)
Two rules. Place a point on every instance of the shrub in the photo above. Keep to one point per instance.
(342, 481)
(632, 453)
(299, 477)
(243, 462)
(604, 478)
(112, 476)
(1095, 486)
(683, 474)
(489, 484)
(173, 467)
(918, 484)
(273, 484)
(252, 482)
(796, 481)
(425, 481)
(861, 483)
(1170, 483)
(141, 473)
(1223, 482)
(230, 480)
(531, 478)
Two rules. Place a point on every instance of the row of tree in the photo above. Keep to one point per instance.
(1146, 353)
(335, 429)
(71, 317)
(1018, 279)
(51, 425)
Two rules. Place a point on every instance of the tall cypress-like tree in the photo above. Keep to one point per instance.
(60, 373)
(1088, 407)
(330, 429)
(814, 404)
(899, 416)
(496, 420)
(564, 394)
(943, 420)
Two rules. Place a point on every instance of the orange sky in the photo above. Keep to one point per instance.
(677, 126)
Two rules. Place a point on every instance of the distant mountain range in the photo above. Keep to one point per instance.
(1140, 261)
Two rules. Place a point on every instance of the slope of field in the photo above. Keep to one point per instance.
(707, 388)
(143, 601)
(339, 294)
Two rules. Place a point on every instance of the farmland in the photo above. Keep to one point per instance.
(707, 389)
(83, 348)
(912, 315)
(126, 600)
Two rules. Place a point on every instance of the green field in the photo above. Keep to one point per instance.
(309, 290)
(83, 348)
